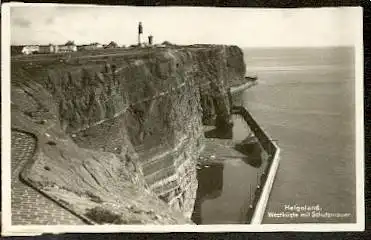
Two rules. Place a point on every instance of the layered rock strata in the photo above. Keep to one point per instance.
(118, 131)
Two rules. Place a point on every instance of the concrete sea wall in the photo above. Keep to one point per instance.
(269, 145)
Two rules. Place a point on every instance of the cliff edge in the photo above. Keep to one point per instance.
(118, 132)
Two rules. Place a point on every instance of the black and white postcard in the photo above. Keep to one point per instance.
(168, 119)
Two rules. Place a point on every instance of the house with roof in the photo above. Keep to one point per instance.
(70, 46)
(27, 50)
(92, 46)
(47, 48)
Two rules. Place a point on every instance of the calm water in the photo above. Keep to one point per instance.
(226, 186)
(305, 100)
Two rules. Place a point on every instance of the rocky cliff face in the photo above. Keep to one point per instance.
(118, 131)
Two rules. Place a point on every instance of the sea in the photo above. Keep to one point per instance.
(305, 100)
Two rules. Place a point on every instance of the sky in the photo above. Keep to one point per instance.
(244, 27)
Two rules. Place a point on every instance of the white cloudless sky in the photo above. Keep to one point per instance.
(245, 27)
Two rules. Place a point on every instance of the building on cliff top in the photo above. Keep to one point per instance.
(70, 46)
(47, 48)
(51, 48)
(92, 46)
(30, 49)
(112, 44)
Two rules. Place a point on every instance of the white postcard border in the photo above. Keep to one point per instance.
(9, 230)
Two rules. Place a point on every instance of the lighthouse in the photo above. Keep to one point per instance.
(140, 32)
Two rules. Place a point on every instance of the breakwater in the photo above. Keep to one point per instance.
(242, 87)
(266, 180)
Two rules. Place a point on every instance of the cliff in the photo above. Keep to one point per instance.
(117, 131)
